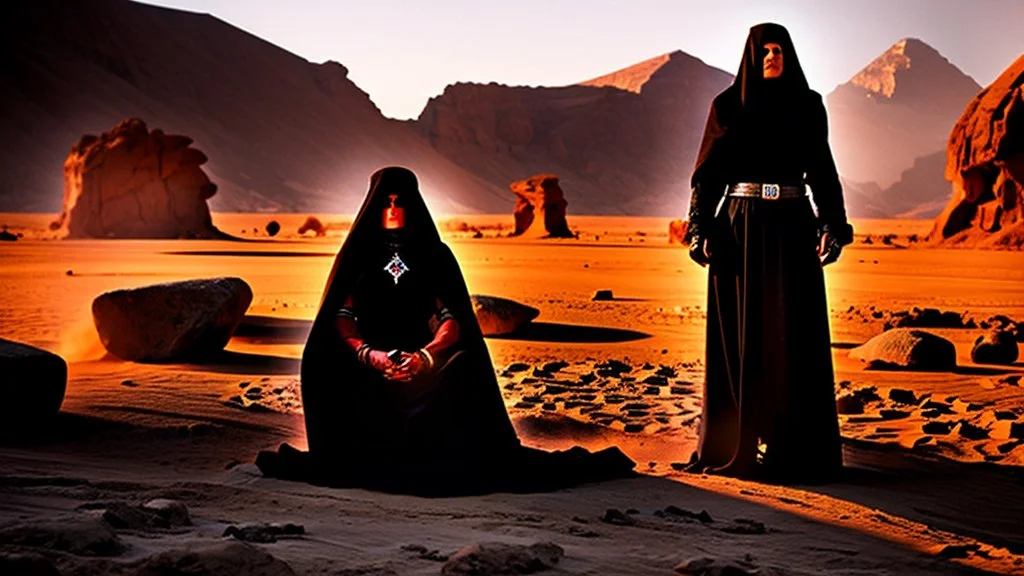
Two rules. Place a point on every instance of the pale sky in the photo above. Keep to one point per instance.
(403, 52)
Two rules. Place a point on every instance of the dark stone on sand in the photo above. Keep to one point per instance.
(6, 236)
(1006, 415)
(744, 526)
(173, 321)
(928, 318)
(174, 512)
(553, 390)
(155, 515)
(652, 391)
(617, 517)
(273, 227)
(27, 564)
(938, 407)
(893, 414)
(516, 367)
(502, 559)
(264, 533)
(972, 432)
(959, 550)
(602, 295)
(849, 404)
(81, 536)
(634, 427)
(906, 349)
(498, 316)
(901, 396)
(705, 566)
(1017, 430)
(937, 428)
(996, 347)
(675, 512)
(549, 406)
(552, 367)
(32, 382)
(656, 380)
(214, 559)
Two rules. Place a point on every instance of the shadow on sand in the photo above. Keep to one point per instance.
(571, 333)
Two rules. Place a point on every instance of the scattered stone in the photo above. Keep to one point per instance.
(81, 536)
(223, 557)
(263, 533)
(173, 321)
(907, 348)
(926, 318)
(652, 391)
(939, 407)
(673, 512)
(996, 347)
(1005, 415)
(603, 295)
(972, 432)
(1017, 430)
(849, 404)
(614, 516)
(552, 367)
(6, 236)
(273, 227)
(173, 512)
(959, 550)
(656, 380)
(893, 414)
(937, 428)
(516, 367)
(500, 316)
(634, 427)
(744, 526)
(901, 396)
(501, 559)
(554, 390)
(33, 382)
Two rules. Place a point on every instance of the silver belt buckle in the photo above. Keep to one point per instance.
(770, 191)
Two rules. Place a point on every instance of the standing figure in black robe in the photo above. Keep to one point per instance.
(769, 406)
(398, 389)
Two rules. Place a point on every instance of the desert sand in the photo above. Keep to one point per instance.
(912, 503)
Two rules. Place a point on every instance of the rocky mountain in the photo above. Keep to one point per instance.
(898, 108)
(281, 133)
(621, 144)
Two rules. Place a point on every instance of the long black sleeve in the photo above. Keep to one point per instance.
(707, 182)
(823, 178)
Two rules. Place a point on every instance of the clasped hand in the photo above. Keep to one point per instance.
(405, 368)
(829, 248)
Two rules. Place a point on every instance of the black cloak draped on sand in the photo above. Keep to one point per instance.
(769, 403)
(446, 433)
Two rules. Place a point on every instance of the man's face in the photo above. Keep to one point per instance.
(772, 60)
(394, 215)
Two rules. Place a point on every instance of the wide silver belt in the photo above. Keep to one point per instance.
(766, 191)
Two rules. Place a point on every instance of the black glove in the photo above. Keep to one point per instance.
(697, 251)
(833, 245)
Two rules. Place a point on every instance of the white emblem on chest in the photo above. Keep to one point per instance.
(396, 267)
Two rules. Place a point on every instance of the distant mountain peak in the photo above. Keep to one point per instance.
(633, 78)
(908, 61)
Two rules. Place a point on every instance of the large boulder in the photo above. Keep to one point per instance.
(906, 349)
(498, 316)
(32, 381)
(174, 321)
(131, 182)
(985, 163)
(540, 196)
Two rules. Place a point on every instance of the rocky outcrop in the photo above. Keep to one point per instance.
(985, 163)
(134, 183)
(175, 321)
(32, 382)
(540, 198)
(677, 231)
(498, 316)
(995, 347)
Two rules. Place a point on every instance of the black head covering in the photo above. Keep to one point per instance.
(754, 105)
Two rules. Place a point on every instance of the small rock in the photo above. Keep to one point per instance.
(675, 512)
(614, 516)
(744, 526)
(273, 227)
(6, 236)
(517, 367)
(900, 396)
(937, 428)
(997, 347)
(499, 316)
(173, 512)
(263, 533)
(972, 432)
(602, 295)
(850, 404)
(959, 550)
(501, 559)
(552, 367)
(634, 427)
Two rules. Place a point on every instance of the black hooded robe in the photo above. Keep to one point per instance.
(446, 433)
(769, 406)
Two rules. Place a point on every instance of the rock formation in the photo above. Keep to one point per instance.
(173, 321)
(677, 231)
(314, 225)
(133, 183)
(985, 163)
(540, 198)
(906, 349)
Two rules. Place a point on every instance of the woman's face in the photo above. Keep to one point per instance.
(394, 215)
(772, 60)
